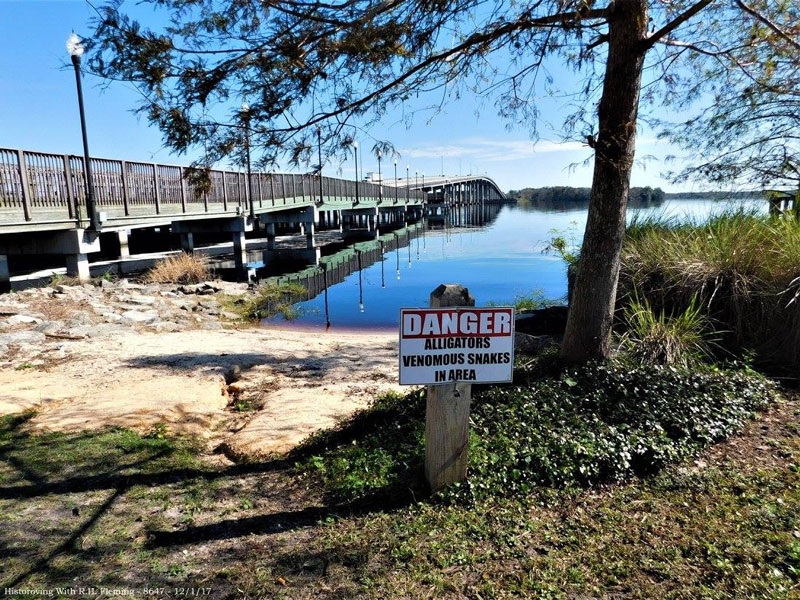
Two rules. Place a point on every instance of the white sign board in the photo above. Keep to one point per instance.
(443, 345)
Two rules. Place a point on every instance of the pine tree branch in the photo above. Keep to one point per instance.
(757, 15)
(675, 23)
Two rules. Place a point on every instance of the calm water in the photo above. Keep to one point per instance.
(497, 261)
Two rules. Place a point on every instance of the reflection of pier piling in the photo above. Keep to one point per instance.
(336, 267)
(447, 216)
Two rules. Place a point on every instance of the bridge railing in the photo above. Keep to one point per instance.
(50, 188)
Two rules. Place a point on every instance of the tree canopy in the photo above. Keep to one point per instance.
(341, 66)
(746, 129)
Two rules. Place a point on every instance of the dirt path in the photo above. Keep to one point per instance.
(291, 384)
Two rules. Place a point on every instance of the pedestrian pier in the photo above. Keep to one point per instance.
(43, 207)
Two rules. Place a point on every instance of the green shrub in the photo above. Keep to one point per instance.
(599, 423)
(604, 422)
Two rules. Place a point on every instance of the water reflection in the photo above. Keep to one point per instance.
(498, 253)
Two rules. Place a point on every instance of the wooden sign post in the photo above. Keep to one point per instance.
(448, 347)
(447, 411)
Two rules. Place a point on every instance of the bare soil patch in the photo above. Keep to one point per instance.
(291, 384)
(121, 354)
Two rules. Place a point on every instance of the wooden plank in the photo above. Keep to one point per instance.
(72, 201)
(224, 192)
(205, 192)
(157, 190)
(26, 190)
(272, 187)
(125, 193)
(242, 196)
(182, 183)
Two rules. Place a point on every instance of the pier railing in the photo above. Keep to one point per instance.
(41, 188)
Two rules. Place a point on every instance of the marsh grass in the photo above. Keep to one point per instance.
(58, 279)
(679, 340)
(741, 268)
(181, 268)
(533, 300)
(272, 299)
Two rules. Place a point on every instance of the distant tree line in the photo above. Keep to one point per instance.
(565, 194)
(717, 195)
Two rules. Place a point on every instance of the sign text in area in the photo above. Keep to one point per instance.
(444, 345)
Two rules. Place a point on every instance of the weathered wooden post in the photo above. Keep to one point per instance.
(448, 347)
(447, 410)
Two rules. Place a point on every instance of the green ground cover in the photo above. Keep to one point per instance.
(624, 495)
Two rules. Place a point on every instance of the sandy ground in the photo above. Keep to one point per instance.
(292, 383)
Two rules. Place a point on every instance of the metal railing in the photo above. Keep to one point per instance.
(36, 187)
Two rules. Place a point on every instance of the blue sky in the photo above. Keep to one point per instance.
(39, 112)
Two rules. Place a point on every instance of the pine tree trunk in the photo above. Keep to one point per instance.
(591, 311)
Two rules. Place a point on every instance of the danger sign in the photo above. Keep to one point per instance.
(443, 345)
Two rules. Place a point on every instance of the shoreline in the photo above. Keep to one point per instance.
(146, 357)
(333, 330)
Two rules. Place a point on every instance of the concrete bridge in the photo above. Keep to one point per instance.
(43, 200)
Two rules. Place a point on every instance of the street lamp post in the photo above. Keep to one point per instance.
(246, 118)
(319, 154)
(380, 178)
(75, 49)
(424, 195)
(395, 181)
(355, 153)
(408, 184)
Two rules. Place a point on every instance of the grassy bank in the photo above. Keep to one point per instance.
(266, 301)
(348, 517)
(742, 269)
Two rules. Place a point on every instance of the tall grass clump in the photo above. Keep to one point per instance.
(676, 340)
(272, 299)
(740, 267)
(181, 268)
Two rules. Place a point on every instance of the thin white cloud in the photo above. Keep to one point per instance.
(489, 150)
(484, 149)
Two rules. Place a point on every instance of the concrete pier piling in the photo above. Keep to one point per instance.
(124, 249)
(187, 243)
(5, 274)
